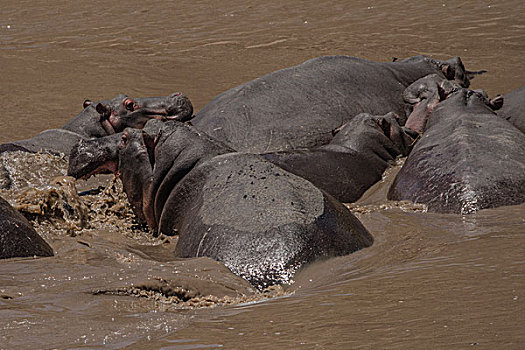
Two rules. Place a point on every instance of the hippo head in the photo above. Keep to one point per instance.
(453, 69)
(494, 103)
(134, 113)
(476, 101)
(381, 135)
(95, 156)
(422, 96)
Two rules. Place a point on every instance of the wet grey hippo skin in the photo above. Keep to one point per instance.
(422, 97)
(354, 160)
(105, 118)
(298, 107)
(134, 113)
(17, 237)
(467, 159)
(259, 220)
(53, 141)
(513, 109)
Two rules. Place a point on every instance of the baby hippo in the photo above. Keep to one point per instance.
(261, 221)
(354, 160)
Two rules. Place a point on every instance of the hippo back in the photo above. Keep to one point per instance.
(261, 221)
(468, 159)
(298, 107)
(17, 237)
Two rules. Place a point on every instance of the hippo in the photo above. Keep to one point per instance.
(513, 109)
(87, 123)
(134, 113)
(105, 118)
(422, 97)
(354, 160)
(298, 107)
(18, 238)
(467, 159)
(261, 221)
(84, 126)
(54, 141)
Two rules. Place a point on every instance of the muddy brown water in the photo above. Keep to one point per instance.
(429, 281)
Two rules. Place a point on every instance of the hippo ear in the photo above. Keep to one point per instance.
(87, 103)
(175, 94)
(102, 109)
(496, 103)
(150, 143)
(448, 71)
(385, 126)
(441, 92)
(149, 140)
(336, 130)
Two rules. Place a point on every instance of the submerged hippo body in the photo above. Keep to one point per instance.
(17, 237)
(467, 159)
(259, 220)
(54, 141)
(513, 109)
(298, 107)
(353, 161)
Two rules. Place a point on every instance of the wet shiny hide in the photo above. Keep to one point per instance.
(430, 280)
(298, 107)
(468, 159)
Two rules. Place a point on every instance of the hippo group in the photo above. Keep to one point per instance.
(256, 179)
(261, 221)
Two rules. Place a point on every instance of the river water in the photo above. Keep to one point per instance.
(429, 280)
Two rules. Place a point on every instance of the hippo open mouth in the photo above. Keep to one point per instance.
(104, 168)
(135, 113)
(96, 156)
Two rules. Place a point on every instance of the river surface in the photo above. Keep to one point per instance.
(429, 281)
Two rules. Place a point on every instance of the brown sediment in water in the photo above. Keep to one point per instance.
(429, 280)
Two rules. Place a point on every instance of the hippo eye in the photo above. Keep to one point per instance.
(124, 140)
(129, 104)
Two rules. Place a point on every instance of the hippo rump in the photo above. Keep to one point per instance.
(467, 159)
(513, 109)
(105, 118)
(17, 237)
(261, 221)
(354, 160)
(298, 107)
